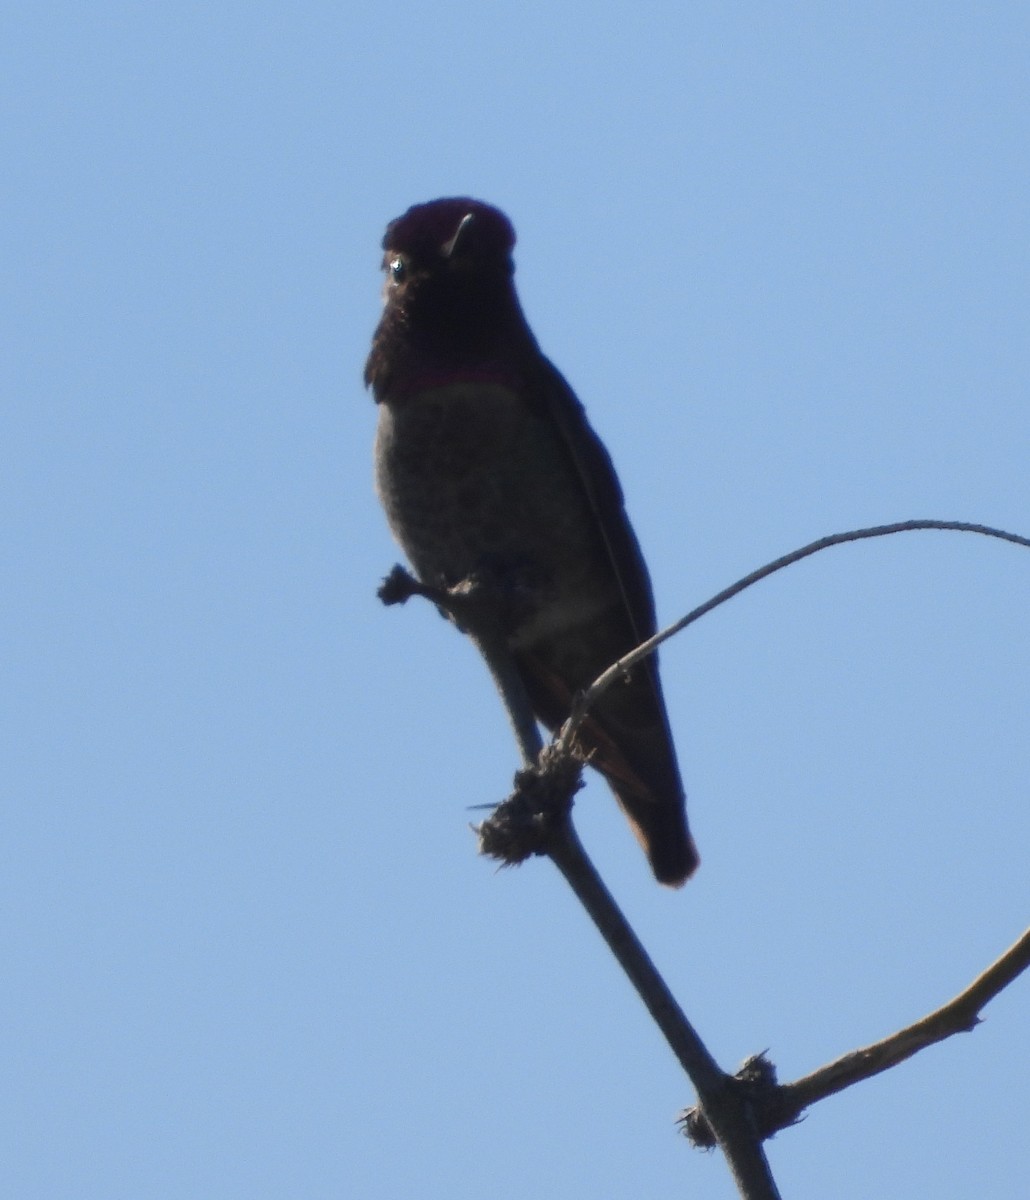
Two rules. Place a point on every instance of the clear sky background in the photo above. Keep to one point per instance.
(248, 950)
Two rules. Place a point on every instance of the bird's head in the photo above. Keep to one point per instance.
(449, 297)
(444, 249)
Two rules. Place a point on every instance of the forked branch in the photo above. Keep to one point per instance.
(778, 1105)
(735, 1112)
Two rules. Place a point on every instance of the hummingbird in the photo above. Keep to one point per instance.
(487, 467)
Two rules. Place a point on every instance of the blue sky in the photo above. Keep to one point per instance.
(781, 253)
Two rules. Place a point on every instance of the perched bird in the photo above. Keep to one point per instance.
(487, 467)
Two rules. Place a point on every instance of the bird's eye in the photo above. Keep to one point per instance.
(398, 268)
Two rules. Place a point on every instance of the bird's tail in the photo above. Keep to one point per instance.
(648, 788)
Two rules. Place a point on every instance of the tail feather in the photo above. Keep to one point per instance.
(654, 806)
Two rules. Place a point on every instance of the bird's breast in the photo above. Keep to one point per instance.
(476, 482)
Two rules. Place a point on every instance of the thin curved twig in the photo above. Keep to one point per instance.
(588, 698)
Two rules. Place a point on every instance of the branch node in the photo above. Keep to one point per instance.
(764, 1101)
(526, 822)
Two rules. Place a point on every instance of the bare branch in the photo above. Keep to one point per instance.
(735, 1112)
(959, 1015)
(600, 685)
(537, 819)
(777, 1106)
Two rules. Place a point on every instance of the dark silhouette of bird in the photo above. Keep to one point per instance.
(487, 468)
